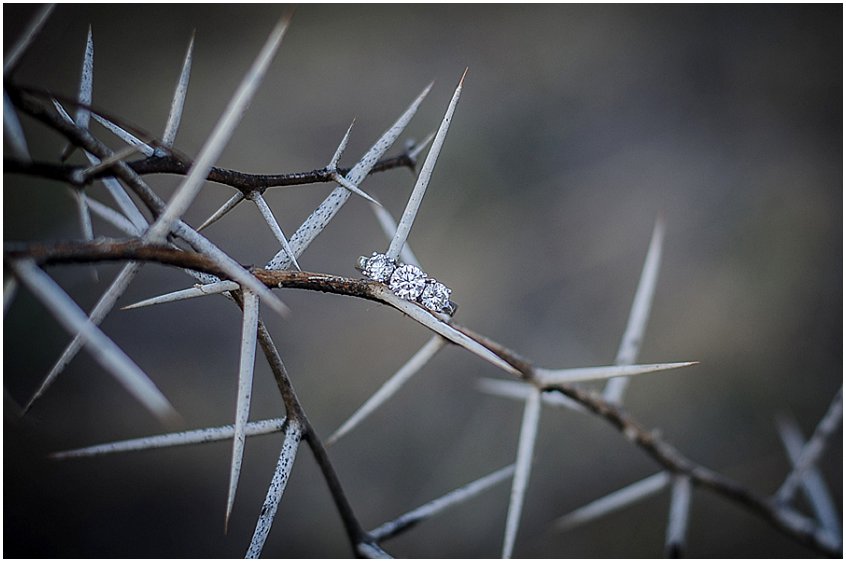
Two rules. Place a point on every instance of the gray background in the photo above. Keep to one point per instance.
(578, 126)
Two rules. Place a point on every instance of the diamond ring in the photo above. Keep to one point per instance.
(408, 282)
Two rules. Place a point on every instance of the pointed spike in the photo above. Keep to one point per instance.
(566, 376)
(523, 469)
(293, 434)
(85, 223)
(125, 135)
(393, 384)
(125, 203)
(325, 212)
(13, 57)
(10, 289)
(114, 187)
(427, 319)
(614, 501)
(178, 103)
(249, 333)
(101, 309)
(184, 294)
(213, 147)
(813, 483)
(520, 390)
(812, 450)
(103, 349)
(343, 182)
(416, 198)
(639, 315)
(271, 221)
(14, 131)
(441, 504)
(240, 276)
(113, 217)
(333, 163)
(389, 228)
(421, 147)
(230, 204)
(106, 163)
(86, 84)
(191, 437)
(679, 515)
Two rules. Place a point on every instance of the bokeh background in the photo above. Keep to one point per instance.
(578, 126)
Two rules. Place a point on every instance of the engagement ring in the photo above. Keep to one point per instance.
(408, 282)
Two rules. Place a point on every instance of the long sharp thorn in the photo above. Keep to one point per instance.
(176, 106)
(416, 198)
(523, 469)
(812, 450)
(14, 131)
(114, 187)
(326, 211)
(333, 163)
(101, 309)
(271, 221)
(219, 137)
(679, 515)
(245, 390)
(566, 376)
(520, 390)
(103, 349)
(85, 223)
(86, 84)
(437, 506)
(425, 318)
(107, 163)
(184, 294)
(411, 367)
(125, 136)
(86, 88)
(813, 483)
(191, 437)
(10, 288)
(14, 55)
(639, 315)
(230, 204)
(344, 182)
(293, 434)
(389, 228)
(415, 152)
(231, 267)
(614, 501)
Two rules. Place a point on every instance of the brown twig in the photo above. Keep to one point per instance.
(788, 521)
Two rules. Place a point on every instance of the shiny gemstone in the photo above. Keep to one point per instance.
(435, 296)
(407, 282)
(379, 267)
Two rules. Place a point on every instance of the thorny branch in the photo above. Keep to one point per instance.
(783, 518)
(171, 161)
(179, 165)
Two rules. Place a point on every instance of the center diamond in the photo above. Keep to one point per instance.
(379, 267)
(435, 296)
(407, 282)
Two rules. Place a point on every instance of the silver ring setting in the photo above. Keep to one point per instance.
(408, 282)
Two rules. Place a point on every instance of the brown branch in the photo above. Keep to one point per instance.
(791, 523)
(172, 164)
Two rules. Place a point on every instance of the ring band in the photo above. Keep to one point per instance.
(408, 282)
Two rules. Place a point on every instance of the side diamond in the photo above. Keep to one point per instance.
(435, 296)
(379, 267)
(407, 282)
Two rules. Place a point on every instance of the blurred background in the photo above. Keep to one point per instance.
(577, 128)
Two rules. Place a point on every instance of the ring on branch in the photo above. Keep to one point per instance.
(408, 282)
